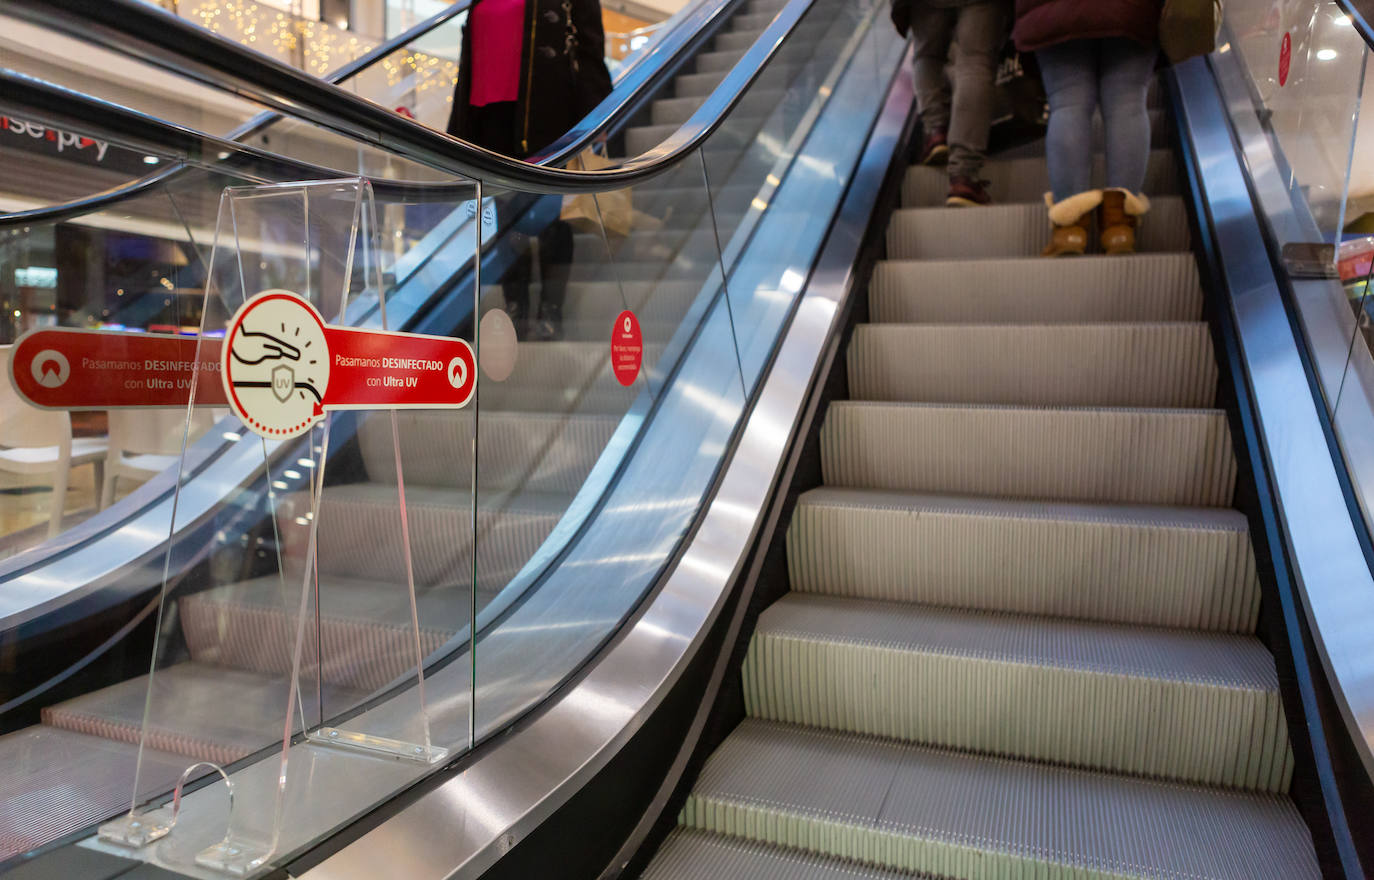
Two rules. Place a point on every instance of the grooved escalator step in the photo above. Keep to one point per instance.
(359, 533)
(1012, 231)
(1165, 703)
(711, 62)
(54, 782)
(698, 855)
(1030, 290)
(1154, 566)
(737, 40)
(1140, 456)
(697, 85)
(209, 713)
(540, 452)
(364, 632)
(917, 808)
(1028, 179)
(1154, 365)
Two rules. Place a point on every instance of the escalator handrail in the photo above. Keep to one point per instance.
(159, 38)
(134, 188)
(1363, 25)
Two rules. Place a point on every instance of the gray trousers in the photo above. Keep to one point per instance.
(978, 30)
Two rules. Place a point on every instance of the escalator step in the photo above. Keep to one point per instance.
(565, 377)
(1028, 179)
(539, 452)
(359, 533)
(697, 85)
(1011, 231)
(1154, 365)
(364, 634)
(737, 40)
(1192, 707)
(916, 808)
(1144, 287)
(54, 782)
(696, 855)
(718, 61)
(208, 713)
(1153, 566)
(1140, 456)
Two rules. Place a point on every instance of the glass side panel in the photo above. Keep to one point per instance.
(1294, 77)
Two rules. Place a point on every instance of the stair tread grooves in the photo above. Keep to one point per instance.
(346, 600)
(861, 791)
(188, 713)
(419, 498)
(1223, 519)
(1157, 411)
(687, 854)
(1213, 659)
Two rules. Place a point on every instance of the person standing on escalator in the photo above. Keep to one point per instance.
(1094, 53)
(529, 70)
(955, 121)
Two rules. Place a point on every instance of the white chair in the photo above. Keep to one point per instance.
(37, 445)
(146, 442)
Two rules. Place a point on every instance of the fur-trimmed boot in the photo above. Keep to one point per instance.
(1117, 218)
(1070, 220)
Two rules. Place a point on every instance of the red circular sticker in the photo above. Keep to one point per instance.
(627, 348)
(1285, 56)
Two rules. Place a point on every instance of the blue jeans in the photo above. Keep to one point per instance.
(1079, 76)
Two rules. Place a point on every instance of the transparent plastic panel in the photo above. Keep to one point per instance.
(619, 320)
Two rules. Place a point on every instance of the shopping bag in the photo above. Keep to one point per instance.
(1188, 28)
(1020, 88)
(580, 209)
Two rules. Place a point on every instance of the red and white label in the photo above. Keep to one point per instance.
(102, 369)
(627, 348)
(283, 368)
(1285, 57)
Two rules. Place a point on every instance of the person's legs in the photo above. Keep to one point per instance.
(979, 33)
(1069, 71)
(1126, 68)
(931, 30)
(555, 266)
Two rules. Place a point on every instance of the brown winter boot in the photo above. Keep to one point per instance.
(1117, 218)
(1070, 221)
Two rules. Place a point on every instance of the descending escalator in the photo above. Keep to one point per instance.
(1020, 633)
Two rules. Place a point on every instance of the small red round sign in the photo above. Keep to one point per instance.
(1285, 57)
(627, 348)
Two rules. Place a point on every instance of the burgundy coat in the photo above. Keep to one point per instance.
(1041, 23)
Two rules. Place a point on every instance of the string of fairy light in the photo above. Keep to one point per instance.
(316, 46)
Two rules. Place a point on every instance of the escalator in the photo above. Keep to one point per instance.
(907, 553)
(1020, 632)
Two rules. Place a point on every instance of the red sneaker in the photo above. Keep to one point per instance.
(966, 192)
(935, 148)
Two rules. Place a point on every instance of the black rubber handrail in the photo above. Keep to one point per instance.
(159, 38)
(1362, 19)
(132, 189)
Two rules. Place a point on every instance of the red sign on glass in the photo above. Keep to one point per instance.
(101, 369)
(627, 348)
(283, 367)
(1285, 57)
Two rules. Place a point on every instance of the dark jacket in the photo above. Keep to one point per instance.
(563, 73)
(1041, 23)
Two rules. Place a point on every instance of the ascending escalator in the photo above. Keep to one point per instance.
(1020, 633)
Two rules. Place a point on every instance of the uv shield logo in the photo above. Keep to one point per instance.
(283, 368)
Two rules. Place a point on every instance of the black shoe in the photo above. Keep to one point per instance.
(515, 310)
(548, 327)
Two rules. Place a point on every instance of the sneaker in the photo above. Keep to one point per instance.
(966, 192)
(935, 148)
